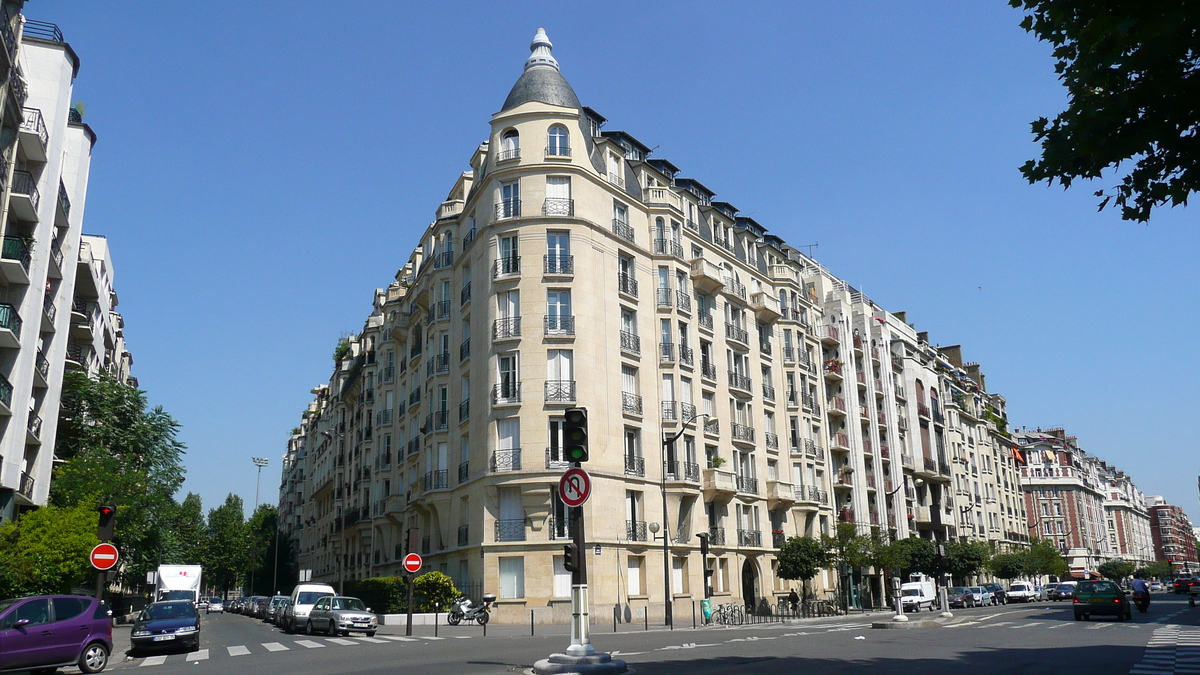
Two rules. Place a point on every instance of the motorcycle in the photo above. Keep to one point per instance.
(1141, 600)
(464, 610)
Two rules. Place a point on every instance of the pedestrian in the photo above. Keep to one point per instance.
(794, 600)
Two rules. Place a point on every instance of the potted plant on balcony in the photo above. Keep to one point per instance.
(716, 461)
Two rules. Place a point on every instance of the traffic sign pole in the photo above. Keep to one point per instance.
(412, 565)
(581, 644)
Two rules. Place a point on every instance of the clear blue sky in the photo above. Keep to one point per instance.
(262, 166)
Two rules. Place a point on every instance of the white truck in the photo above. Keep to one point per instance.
(178, 582)
(1021, 591)
(916, 595)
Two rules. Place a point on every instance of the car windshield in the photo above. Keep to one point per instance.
(310, 597)
(173, 610)
(976, 589)
(958, 590)
(911, 591)
(1093, 587)
(349, 603)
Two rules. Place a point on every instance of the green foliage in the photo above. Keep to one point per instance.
(966, 559)
(389, 595)
(847, 546)
(1043, 558)
(801, 558)
(190, 533)
(117, 451)
(46, 551)
(227, 538)
(260, 553)
(1129, 70)
(917, 555)
(1159, 569)
(433, 587)
(1116, 570)
(1009, 565)
(342, 350)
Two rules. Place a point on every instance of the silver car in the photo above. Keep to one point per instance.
(338, 614)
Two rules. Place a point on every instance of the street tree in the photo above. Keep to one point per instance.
(190, 532)
(966, 559)
(260, 530)
(228, 542)
(917, 555)
(1116, 570)
(1159, 569)
(1131, 79)
(1009, 565)
(1044, 559)
(46, 551)
(801, 558)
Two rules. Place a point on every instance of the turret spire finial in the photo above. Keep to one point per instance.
(541, 47)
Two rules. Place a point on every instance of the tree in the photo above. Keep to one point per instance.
(1116, 570)
(966, 559)
(1130, 73)
(1159, 569)
(191, 532)
(801, 558)
(917, 556)
(1009, 565)
(260, 530)
(1043, 558)
(46, 551)
(117, 451)
(227, 537)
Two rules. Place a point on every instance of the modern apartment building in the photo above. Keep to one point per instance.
(569, 267)
(57, 304)
(1174, 538)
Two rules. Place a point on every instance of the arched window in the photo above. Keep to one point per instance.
(510, 145)
(559, 142)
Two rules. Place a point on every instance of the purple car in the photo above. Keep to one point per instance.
(46, 632)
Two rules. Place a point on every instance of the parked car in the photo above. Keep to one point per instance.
(215, 606)
(275, 610)
(202, 603)
(304, 596)
(1021, 591)
(48, 632)
(337, 614)
(171, 623)
(982, 595)
(999, 597)
(960, 596)
(1062, 591)
(1097, 598)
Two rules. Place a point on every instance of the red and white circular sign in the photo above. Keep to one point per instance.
(412, 563)
(575, 487)
(104, 557)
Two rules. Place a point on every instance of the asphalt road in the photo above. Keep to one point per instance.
(1018, 639)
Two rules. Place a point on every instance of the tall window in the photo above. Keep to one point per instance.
(560, 370)
(558, 253)
(558, 196)
(559, 142)
(509, 378)
(508, 247)
(558, 312)
(510, 145)
(509, 205)
(512, 577)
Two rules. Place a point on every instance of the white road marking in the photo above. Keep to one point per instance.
(614, 653)
(399, 638)
(238, 650)
(311, 644)
(342, 641)
(371, 639)
(463, 637)
(153, 661)
(1061, 625)
(274, 647)
(201, 655)
(1028, 625)
(426, 637)
(1101, 625)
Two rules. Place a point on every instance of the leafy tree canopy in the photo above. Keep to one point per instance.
(46, 551)
(966, 559)
(801, 558)
(1132, 81)
(1009, 565)
(1116, 570)
(227, 537)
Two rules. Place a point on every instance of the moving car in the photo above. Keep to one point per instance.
(960, 596)
(215, 606)
(337, 614)
(1101, 598)
(172, 623)
(1156, 586)
(304, 596)
(1062, 591)
(48, 632)
(1021, 591)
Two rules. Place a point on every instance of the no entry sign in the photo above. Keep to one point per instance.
(575, 487)
(104, 557)
(412, 563)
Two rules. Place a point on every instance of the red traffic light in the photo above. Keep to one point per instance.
(107, 510)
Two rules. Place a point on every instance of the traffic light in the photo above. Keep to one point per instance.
(570, 557)
(108, 523)
(703, 544)
(575, 435)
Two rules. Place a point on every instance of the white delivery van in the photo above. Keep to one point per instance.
(178, 582)
(304, 596)
(916, 595)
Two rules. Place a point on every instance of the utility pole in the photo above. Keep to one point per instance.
(260, 462)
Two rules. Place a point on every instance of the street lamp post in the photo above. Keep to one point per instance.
(260, 462)
(669, 615)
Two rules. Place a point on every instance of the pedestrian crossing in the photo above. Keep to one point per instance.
(1172, 650)
(234, 651)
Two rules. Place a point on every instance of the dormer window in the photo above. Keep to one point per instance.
(510, 146)
(558, 142)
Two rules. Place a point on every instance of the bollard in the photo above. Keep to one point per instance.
(531, 622)
(615, 620)
(693, 613)
(646, 616)
(485, 630)
(436, 608)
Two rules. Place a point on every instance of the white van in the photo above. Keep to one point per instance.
(304, 596)
(917, 594)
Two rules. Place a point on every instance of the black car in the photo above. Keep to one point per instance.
(173, 623)
(999, 595)
(960, 596)
(1185, 584)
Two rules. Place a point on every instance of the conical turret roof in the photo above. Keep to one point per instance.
(541, 81)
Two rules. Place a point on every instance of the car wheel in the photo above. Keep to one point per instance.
(1078, 617)
(308, 628)
(94, 658)
(370, 633)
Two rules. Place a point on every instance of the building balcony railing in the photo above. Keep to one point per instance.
(836, 404)
(560, 528)
(622, 229)
(558, 207)
(17, 248)
(558, 264)
(506, 460)
(616, 179)
(716, 535)
(668, 247)
(464, 296)
(558, 325)
(10, 319)
(32, 123)
(627, 284)
(735, 288)
(768, 392)
(631, 343)
(464, 350)
(464, 472)
(750, 538)
(508, 208)
(828, 333)
(504, 329)
(841, 440)
(685, 355)
(706, 320)
(23, 183)
(635, 466)
(741, 432)
(833, 368)
(687, 412)
(764, 346)
(555, 459)
(506, 393)
(560, 391)
(558, 150)
(708, 370)
(737, 334)
(739, 381)
(443, 260)
(772, 440)
(683, 300)
(664, 297)
(631, 403)
(26, 486)
(682, 471)
(747, 484)
(6, 391)
(670, 411)
(666, 353)
(635, 530)
(464, 409)
(510, 530)
(441, 362)
(712, 426)
(506, 267)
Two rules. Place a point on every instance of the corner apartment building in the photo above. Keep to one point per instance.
(57, 304)
(1174, 538)
(1128, 518)
(568, 267)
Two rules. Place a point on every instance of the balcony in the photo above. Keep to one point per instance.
(683, 301)
(15, 259)
(631, 343)
(441, 363)
(668, 247)
(464, 472)
(469, 237)
(737, 334)
(436, 480)
(841, 441)
(506, 329)
(464, 350)
(464, 409)
(670, 411)
(56, 260)
(923, 410)
(768, 392)
(616, 179)
(739, 382)
(6, 392)
(836, 405)
(746, 484)
(507, 268)
(508, 155)
(627, 285)
(833, 370)
(560, 528)
(828, 334)
(735, 289)
(780, 494)
(741, 433)
(558, 265)
(508, 208)
(557, 151)
(750, 538)
(635, 530)
(685, 355)
(506, 460)
(661, 196)
(510, 530)
(682, 471)
(25, 198)
(33, 137)
(706, 321)
(764, 346)
(708, 277)
(664, 298)
(41, 370)
(623, 230)
(666, 353)
(712, 426)
(719, 483)
(708, 370)
(765, 306)
(25, 489)
(560, 391)
(558, 326)
(631, 404)
(772, 440)
(506, 393)
(443, 260)
(10, 326)
(687, 412)
(557, 207)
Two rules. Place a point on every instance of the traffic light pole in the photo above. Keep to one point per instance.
(581, 644)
